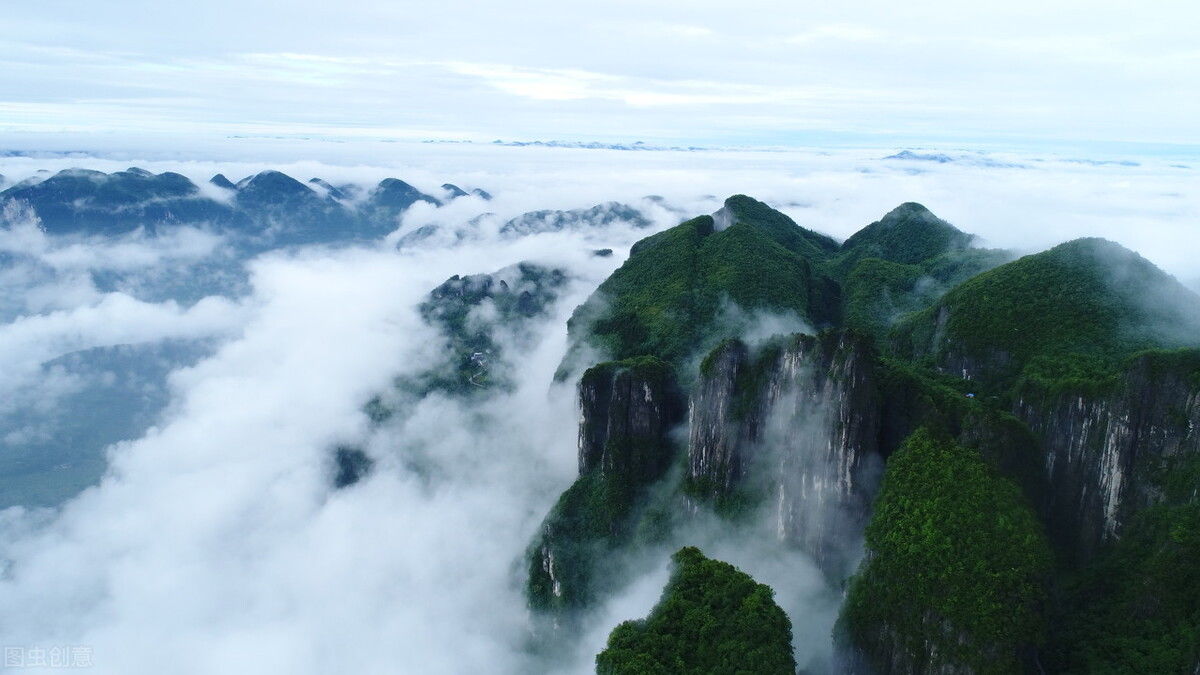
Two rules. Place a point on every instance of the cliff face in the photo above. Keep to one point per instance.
(1105, 452)
(629, 407)
(799, 426)
(627, 411)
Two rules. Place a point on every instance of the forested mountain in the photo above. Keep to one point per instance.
(994, 457)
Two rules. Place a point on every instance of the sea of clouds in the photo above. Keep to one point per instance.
(215, 542)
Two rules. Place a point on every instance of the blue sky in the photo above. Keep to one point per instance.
(1059, 73)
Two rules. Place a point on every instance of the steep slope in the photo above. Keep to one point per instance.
(955, 570)
(901, 264)
(683, 287)
(629, 408)
(781, 228)
(908, 234)
(792, 429)
(472, 311)
(1067, 314)
(1014, 404)
(1137, 609)
(1107, 451)
(712, 619)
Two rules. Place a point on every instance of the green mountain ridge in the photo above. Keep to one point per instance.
(1012, 402)
(1072, 312)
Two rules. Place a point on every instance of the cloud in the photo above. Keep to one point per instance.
(215, 540)
(970, 74)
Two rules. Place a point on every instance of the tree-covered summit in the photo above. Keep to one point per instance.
(780, 227)
(693, 283)
(1072, 312)
(684, 289)
(712, 619)
(908, 234)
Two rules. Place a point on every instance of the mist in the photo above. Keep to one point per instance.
(214, 540)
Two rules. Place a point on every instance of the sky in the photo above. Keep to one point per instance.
(1064, 73)
(215, 541)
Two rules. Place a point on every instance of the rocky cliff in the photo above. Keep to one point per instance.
(1019, 413)
(797, 426)
(1106, 450)
(629, 408)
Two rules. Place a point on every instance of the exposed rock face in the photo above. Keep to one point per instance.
(720, 435)
(478, 313)
(799, 425)
(629, 407)
(627, 413)
(1104, 452)
(905, 660)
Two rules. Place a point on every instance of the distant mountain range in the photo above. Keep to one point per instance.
(270, 206)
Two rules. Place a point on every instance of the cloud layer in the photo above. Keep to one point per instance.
(215, 542)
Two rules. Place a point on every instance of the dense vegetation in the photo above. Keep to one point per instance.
(879, 292)
(598, 514)
(684, 289)
(908, 235)
(1060, 317)
(688, 286)
(1137, 610)
(712, 619)
(959, 573)
(956, 566)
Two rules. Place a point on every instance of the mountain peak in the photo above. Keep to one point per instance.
(272, 180)
(221, 181)
(393, 193)
(908, 210)
(908, 234)
(454, 190)
(779, 226)
(328, 189)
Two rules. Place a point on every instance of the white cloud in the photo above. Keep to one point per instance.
(937, 72)
(215, 540)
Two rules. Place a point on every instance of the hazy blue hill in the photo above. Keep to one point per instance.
(222, 182)
(394, 195)
(274, 189)
(329, 189)
(552, 220)
(116, 393)
(712, 619)
(1072, 312)
(82, 200)
(267, 209)
(454, 190)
